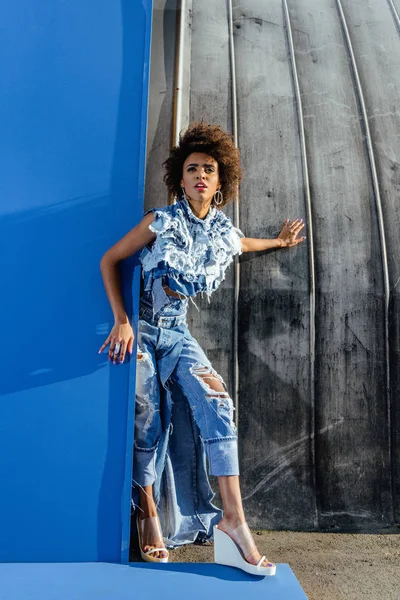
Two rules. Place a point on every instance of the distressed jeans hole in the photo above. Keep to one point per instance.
(216, 387)
(141, 356)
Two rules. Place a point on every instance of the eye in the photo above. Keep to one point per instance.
(191, 168)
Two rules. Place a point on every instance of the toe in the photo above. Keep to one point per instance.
(267, 563)
(148, 550)
(156, 553)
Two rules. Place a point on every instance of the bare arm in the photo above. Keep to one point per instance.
(133, 241)
(257, 244)
(287, 238)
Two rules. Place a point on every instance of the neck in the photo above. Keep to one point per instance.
(199, 208)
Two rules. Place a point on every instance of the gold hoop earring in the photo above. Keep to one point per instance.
(218, 197)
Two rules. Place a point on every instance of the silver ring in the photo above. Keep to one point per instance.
(117, 348)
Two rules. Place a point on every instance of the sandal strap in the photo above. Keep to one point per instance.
(243, 538)
(260, 561)
(156, 550)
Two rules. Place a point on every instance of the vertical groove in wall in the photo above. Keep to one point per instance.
(180, 118)
(310, 236)
(236, 222)
(393, 404)
(378, 206)
(395, 14)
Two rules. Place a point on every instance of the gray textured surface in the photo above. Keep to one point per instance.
(328, 459)
(275, 412)
(349, 311)
(376, 42)
(161, 98)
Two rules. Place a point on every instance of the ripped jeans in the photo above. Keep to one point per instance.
(170, 360)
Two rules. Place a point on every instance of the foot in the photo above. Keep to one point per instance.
(247, 547)
(149, 542)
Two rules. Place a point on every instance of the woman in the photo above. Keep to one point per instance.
(187, 247)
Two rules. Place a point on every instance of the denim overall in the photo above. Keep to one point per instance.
(181, 423)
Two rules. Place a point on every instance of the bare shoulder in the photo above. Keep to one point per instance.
(148, 218)
(133, 241)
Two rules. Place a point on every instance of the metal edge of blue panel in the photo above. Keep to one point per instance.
(127, 486)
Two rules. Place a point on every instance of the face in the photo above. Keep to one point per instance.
(200, 177)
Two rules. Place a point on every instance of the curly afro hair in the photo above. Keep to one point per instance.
(214, 141)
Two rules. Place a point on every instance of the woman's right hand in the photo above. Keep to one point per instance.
(121, 339)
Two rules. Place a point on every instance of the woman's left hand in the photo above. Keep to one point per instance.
(289, 233)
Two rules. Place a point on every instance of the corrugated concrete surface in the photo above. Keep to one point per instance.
(319, 325)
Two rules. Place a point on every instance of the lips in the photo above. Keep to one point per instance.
(200, 186)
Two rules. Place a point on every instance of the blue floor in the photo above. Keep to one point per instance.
(106, 581)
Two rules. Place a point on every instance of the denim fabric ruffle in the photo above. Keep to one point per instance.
(191, 255)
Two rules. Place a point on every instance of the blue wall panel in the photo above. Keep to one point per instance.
(73, 120)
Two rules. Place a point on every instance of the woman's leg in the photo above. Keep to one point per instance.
(212, 409)
(147, 436)
(233, 512)
(149, 509)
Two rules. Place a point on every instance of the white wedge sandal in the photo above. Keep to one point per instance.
(150, 529)
(228, 551)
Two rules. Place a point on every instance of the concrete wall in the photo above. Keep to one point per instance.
(319, 357)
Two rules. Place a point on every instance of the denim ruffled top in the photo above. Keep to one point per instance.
(190, 255)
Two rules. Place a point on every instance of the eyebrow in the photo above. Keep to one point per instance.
(197, 164)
